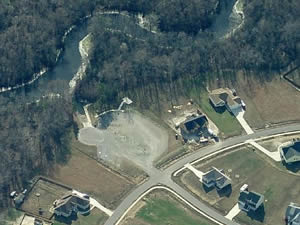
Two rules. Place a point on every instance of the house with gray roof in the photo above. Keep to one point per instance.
(71, 203)
(250, 200)
(292, 214)
(290, 152)
(194, 127)
(224, 97)
(215, 178)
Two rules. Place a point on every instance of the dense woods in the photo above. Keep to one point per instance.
(125, 60)
(143, 65)
(31, 33)
(33, 137)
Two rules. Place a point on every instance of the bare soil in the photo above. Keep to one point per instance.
(273, 144)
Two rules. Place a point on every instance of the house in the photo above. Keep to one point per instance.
(225, 97)
(292, 214)
(290, 152)
(215, 178)
(249, 200)
(194, 127)
(70, 203)
(19, 199)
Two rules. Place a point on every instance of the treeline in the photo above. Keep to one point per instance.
(31, 32)
(33, 137)
(121, 65)
(188, 16)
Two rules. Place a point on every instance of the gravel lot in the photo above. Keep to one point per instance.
(126, 135)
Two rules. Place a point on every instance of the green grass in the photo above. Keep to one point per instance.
(264, 176)
(164, 212)
(226, 122)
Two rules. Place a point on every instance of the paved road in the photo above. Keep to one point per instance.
(164, 177)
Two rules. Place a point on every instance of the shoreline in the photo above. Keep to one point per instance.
(42, 71)
(84, 63)
(239, 12)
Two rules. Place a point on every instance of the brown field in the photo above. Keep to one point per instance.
(268, 102)
(87, 175)
(273, 144)
(49, 192)
(278, 185)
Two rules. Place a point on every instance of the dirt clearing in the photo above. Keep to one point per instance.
(127, 135)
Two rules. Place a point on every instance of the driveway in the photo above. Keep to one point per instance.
(164, 177)
(233, 212)
(273, 155)
(198, 173)
(243, 122)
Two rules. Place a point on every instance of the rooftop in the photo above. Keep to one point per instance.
(66, 203)
(292, 150)
(250, 197)
(293, 213)
(217, 176)
(224, 95)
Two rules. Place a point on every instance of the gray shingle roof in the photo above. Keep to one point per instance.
(218, 177)
(250, 197)
(292, 214)
(292, 151)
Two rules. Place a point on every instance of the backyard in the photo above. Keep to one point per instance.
(42, 195)
(160, 208)
(227, 123)
(245, 166)
(85, 174)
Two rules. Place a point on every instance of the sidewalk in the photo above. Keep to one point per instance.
(198, 173)
(274, 155)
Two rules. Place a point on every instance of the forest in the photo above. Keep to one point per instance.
(125, 60)
(144, 65)
(33, 137)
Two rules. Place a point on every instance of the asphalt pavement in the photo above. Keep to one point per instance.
(158, 177)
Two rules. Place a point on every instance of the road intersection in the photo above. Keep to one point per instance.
(164, 178)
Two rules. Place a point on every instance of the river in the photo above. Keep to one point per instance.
(57, 80)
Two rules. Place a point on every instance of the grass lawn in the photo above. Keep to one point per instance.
(160, 208)
(226, 122)
(278, 185)
(96, 217)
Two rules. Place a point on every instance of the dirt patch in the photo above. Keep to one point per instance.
(273, 144)
(129, 136)
(87, 175)
(267, 102)
(42, 195)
